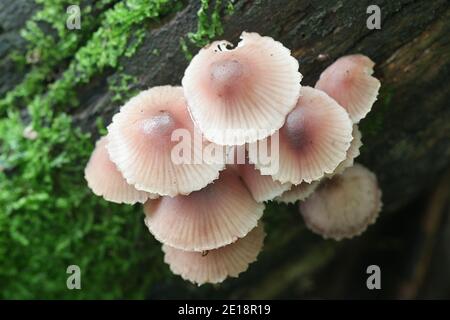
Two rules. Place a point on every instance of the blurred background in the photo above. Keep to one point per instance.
(61, 81)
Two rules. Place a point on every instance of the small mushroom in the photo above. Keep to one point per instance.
(313, 141)
(105, 180)
(217, 264)
(262, 187)
(345, 205)
(299, 192)
(352, 152)
(29, 133)
(141, 144)
(206, 219)
(243, 94)
(350, 82)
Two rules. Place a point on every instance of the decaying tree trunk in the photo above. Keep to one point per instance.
(406, 134)
(406, 139)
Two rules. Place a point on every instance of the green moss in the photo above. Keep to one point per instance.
(156, 52)
(230, 8)
(185, 49)
(123, 87)
(49, 219)
(209, 25)
(373, 124)
(47, 51)
(101, 127)
(135, 43)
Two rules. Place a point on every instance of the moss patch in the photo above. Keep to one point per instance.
(373, 124)
(123, 87)
(209, 25)
(49, 219)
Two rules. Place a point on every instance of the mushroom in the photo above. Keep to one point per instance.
(313, 141)
(352, 152)
(105, 180)
(299, 192)
(216, 265)
(350, 82)
(29, 133)
(262, 187)
(243, 94)
(345, 205)
(141, 144)
(206, 219)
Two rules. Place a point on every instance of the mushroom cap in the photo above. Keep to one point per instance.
(262, 187)
(350, 82)
(140, 144)
(207, 219)
(313, 141)
(105, 180)
(216, 265)
(242, 94)
(299, 192)
(345, 205)
(352, 152)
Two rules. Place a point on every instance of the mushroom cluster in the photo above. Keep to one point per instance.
(201, 200)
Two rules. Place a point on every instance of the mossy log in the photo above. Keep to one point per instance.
(405, 136)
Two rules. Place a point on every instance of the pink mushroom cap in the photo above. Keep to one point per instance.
(350, 82)
(313, 141)
(106, 181)
(345, 205)
(352, 152)
(298, 192)
(262, 187)
(216, 265)
(242, 94)
(206, 219)
(141, 144)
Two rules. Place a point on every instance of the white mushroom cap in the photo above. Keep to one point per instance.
(105, 180)
(262, 187)
(350, 82)
(298, 192)
(345, 205)
(140, 144)
(206, 219)
(216, 265)
(313, 141)
(243, 94)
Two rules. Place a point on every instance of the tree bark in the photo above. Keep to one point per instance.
(13, 16)
(406, 136)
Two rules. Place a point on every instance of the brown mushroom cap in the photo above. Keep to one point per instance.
(216, 265)
(242, 94)
(105, 180)
(345, 205)
(140, 144)
(262, 187)
(350, 82)
(299, 192)
(206, 219)
(313, 141)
